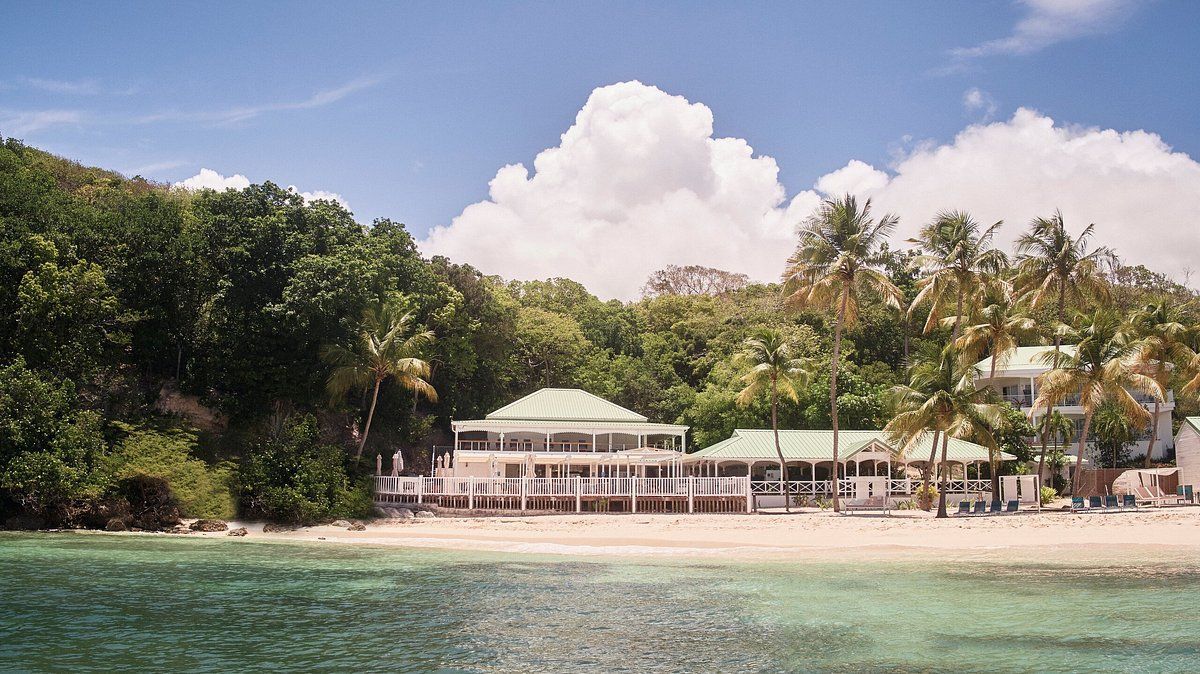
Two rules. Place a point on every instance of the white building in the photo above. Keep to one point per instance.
(1187, 452)
(1016, 380)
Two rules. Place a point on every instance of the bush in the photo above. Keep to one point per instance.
(203, 491)
(152, 505)
(292, 478)
(1048, 494)
(823, 503)
(925, 496)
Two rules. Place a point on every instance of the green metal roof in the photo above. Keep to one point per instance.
(1194, 422)
(806, 445)
(1023, 358)
(564, 404)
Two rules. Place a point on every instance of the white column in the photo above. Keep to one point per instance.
(593, 442)
(502, 441)
(456, 439)
(547, 441)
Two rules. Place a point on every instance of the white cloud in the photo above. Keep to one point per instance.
(1142, 196)
(211, 180)
(979, 102)
(243, 113)
(77, 87)
(636, 183)
(1048, 22)
(22, 122)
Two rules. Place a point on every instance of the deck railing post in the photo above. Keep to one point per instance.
(578, 494)
(420, 487)
(749, 497)
(633, 494)
(524, 490)
(470, 493)
(691, 494)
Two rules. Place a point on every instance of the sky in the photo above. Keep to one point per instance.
(602, 141)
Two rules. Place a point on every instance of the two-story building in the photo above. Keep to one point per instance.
(1017, 381)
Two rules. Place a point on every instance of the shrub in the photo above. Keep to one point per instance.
(291, 477)
(1048, 494)
(823, 503)
(202, 491)
(152, 505)
(925, 496)
(906, 504)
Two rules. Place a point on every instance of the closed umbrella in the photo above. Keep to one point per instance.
(378, 464)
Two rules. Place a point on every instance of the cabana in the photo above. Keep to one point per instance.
(1143, 483)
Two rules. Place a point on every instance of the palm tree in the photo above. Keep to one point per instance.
(1162, 331)
(958, 255)
(773, 368)
(1002, 328)
(1101, 370)
(941, 397)
(1054, 425)
(836, 259)
(383, 349)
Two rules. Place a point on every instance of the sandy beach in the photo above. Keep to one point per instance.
(809, 534)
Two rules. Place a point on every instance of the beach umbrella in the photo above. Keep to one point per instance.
(379, 464)
(397, 464)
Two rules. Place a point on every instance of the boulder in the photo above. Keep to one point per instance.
(341, 524)
(404, 514)
(274, 528)
(425, 514)
(240, 531)
(116, 524)
(209, 525)
(357, 526)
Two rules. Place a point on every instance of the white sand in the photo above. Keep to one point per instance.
(810, 534)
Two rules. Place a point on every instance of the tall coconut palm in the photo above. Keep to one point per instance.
(1002, 328)
(836, 259)
(1102, 370)
(1053, 266)
(958, 257)
(386, 347)
(942, 398)
(1162, 331)
(773, 368)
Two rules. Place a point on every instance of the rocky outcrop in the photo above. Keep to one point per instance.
(240, 531)
(116, 524)
(209, 525)
(341, 524)
(172, 401)
(426, 514)
(357, 526)
(273, 528)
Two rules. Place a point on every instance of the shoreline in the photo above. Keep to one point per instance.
(799, 536)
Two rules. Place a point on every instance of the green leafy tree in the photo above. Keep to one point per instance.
(1161, 329)
(387, 347)
(774, 370)
(960, 261)
(1002, 327)
(836, 260)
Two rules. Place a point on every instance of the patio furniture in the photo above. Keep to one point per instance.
(1078, 504)
(1012, 506)
(980, 508)
(964, 508)
(1095, 502)
(1110, 501)
(1129, 501)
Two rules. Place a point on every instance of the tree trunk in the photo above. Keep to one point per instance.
(943, 478)
(833, 410)
(1153, 431)
(958, 317)
(994, 465)
(928, 471)
(370, 415)
(1087, 424)
(786, 487)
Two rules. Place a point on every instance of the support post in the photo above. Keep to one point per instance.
(749, 497)
(420, 488)
(524, 491)
(578, 495)
(633, 494)
(470, 493)
(691, 494)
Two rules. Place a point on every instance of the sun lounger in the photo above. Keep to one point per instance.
(1012, 506)
(996, 507)
(1129, 501)
(980, 508)
(870, 503)
(964, 508)
(1110, 501)
(1095, 503)
(1185, 494)
(1078, 504)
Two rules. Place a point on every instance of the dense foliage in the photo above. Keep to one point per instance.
(115, 292)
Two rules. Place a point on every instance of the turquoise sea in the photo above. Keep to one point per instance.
(86, 602)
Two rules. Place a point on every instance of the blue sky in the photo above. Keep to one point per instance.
(408, 110)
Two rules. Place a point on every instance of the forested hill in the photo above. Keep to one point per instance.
(121, 298)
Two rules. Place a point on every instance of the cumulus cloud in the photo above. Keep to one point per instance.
(1142, 196)
(639, 182)
(979, 102)
(1048, 22)
(210, 179)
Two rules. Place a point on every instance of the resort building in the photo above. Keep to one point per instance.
(1187, 451)
(1016, 381)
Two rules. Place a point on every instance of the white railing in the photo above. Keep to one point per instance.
(683, 488)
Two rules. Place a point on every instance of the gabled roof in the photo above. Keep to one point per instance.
(1024, 358)
(1194, 422)
(564, 404)
(806, 445)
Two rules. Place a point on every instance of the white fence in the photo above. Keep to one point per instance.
(846, 487)
(579, 488)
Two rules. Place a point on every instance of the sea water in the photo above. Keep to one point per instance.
(89, 602)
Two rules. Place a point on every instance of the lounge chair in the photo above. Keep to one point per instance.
(1110, 501)
(964, 508)
(1078, 504)
(980, 508)
(1012, 506)
(996, 507)
(1129, 501)
(1185, 494)
(1095, 502)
